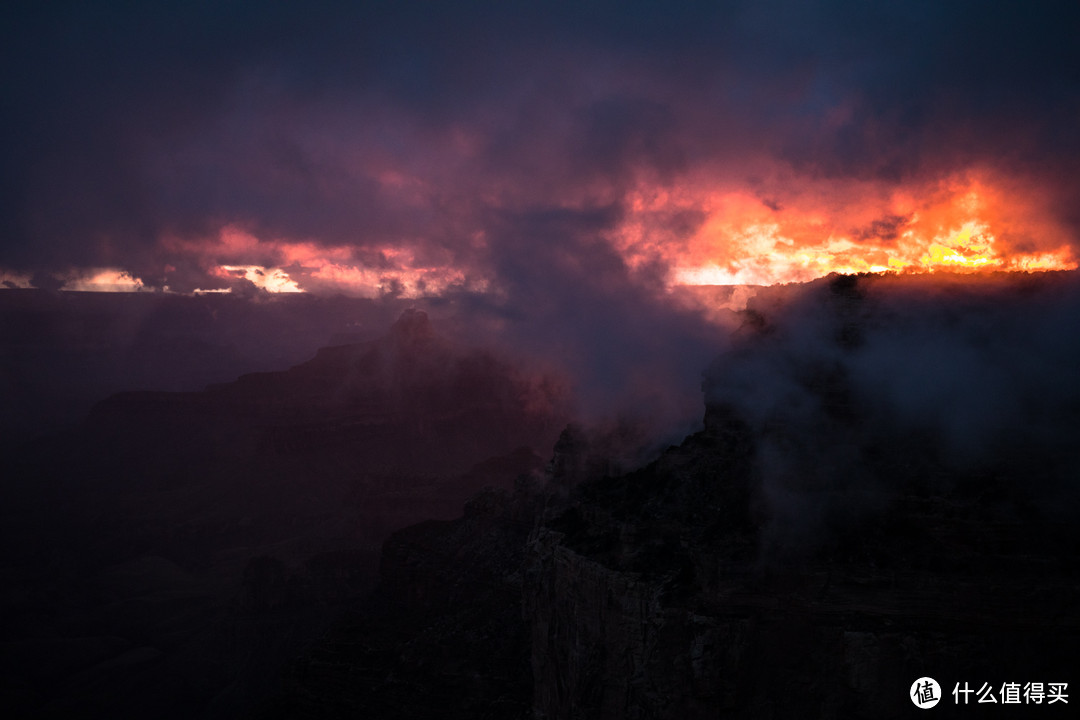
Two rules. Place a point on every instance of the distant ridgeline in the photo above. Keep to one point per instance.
(167, 556)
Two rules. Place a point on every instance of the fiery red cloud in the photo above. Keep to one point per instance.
(968, 222)
(745, 145)
(965, 223)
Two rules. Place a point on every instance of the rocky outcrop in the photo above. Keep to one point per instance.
(806, 555)
(443, 635)
(822, 541)
(641, 605)
(592, 629)
(820, 544)
(665, 593)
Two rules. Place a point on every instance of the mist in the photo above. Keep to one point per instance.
(858, 389)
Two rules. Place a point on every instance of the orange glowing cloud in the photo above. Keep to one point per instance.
(785, 228)
(15, 280)
(287, 266)
(102, 280)
(969, 222)
(273, 280)
(966, 223)
(79, 280)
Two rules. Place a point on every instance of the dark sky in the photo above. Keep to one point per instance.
(419, 145)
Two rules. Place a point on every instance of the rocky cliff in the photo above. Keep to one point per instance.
(442, 636)
(809, 554)
(649, 597)
(654, 594)
(883, 491)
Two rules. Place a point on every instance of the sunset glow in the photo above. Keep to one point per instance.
(615, 161)
(14, 280)
(741, 239)
(960, 227)
(102, 280)
(273, 280)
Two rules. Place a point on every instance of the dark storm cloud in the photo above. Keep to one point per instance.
(566, 299)
(126, 122)
(928, 83)
(503, 141)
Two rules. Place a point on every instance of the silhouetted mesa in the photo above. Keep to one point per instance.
(165, 558)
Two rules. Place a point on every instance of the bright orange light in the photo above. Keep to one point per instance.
(102, 280)
(10, 279)
(968, 223)
(780, 228)
(274, 280)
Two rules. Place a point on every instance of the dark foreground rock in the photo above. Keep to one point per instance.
(443, 635)
(852, 517)
(822, 543)
(649, 597)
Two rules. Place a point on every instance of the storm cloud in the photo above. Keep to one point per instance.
(133, 134)
(546, 171)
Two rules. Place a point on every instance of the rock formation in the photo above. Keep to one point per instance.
(167, 557)
(727, 580)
